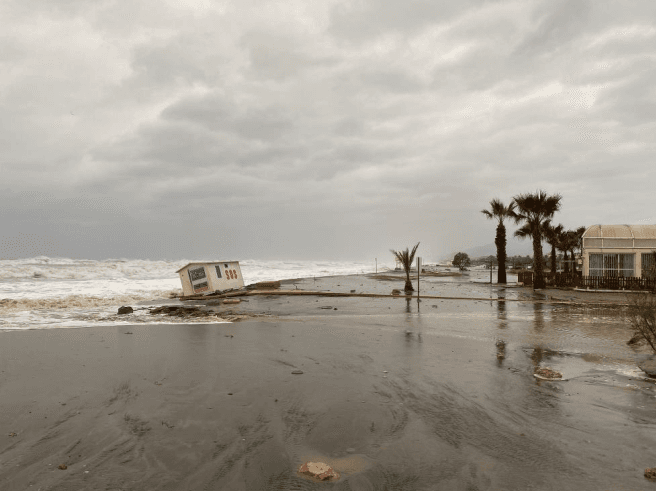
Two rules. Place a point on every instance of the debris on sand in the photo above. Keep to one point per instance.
(649, 366)
(396, 292)
(297, 372)
(125, 310)
(636, 339)
(63, 467)
(650, 473)
(318, 471)
(264, 285)
(547, 373)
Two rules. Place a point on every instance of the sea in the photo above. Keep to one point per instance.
(56, 292)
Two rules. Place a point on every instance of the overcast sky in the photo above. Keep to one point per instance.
(305, 129)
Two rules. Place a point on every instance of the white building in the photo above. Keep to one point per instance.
(618, 250)
(210, 277)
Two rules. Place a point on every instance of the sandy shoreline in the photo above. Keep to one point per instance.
(393, 397)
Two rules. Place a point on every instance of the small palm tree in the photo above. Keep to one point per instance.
(406, 258)
(562, 244)
(499, 212)
(535, 210)
(552, 236)
(578, 242)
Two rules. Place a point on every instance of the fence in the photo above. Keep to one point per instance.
(591, 282)
(618, 283)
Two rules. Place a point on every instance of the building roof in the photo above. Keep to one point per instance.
(621, 232)
(199, 263)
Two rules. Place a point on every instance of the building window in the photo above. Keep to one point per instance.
(648, 261)
(218, 271)
(198, 279)
(196, 274)
(612, 265)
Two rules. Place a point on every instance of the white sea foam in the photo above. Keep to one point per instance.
(45, 292)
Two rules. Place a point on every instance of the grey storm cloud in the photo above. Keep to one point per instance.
(333, 129)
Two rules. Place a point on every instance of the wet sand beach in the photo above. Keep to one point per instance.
(394, 394)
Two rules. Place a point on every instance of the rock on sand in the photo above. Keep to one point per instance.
(319, 471)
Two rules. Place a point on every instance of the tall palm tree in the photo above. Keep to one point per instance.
(535, 209)
(498, 211)
(406, 258)
(552, 236)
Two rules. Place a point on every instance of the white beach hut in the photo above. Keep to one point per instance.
(209, 277)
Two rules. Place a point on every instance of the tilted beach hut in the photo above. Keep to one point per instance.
(210, 277)
(618, 250)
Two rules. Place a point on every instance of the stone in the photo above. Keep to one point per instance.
(548, 373)
(636, 339)
(650, 473)
(232, 300)
(125, 310)
(319, 471)
(648, 365)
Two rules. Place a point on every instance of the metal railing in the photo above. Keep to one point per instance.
(592, 282)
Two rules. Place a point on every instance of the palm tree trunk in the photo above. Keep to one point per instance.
(553, 261)
(573, 261)
(538, 280)
(408, 283)
(566, 267)
(500, 242)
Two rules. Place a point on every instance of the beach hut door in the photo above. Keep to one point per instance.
(198, 279)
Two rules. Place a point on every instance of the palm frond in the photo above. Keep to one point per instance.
(405, 257)
(499, 211)
(524, 231)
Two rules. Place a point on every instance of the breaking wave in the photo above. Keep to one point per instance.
(42, 292)
(81, 301)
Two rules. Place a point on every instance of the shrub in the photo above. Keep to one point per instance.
(642, 315)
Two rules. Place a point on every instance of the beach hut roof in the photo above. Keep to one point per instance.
(199, 263)
(621, 232)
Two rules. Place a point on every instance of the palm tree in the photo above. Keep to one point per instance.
(499, 212)
(552, 235)
(562, 244)
(406, 258)
(578, 241)
(523, 232)
(535, 210)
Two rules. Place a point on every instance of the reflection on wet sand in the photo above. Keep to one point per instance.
(392, 397)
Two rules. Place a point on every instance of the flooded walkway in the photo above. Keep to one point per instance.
(395, 395)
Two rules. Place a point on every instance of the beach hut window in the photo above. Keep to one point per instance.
(612, 265)
(218, 271)
(198, 279)
(196, 274)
